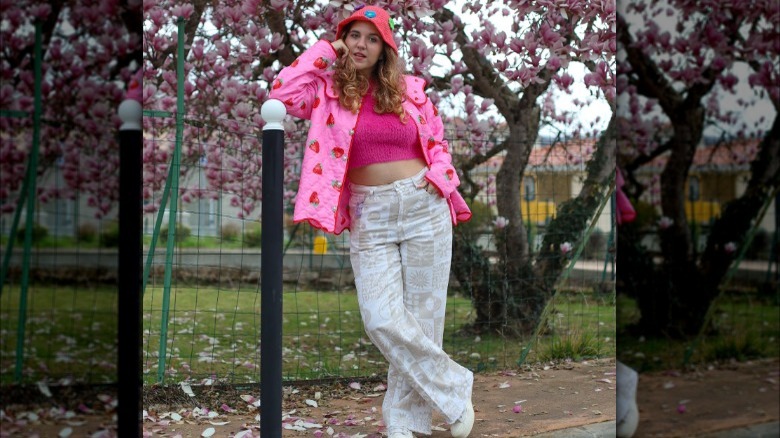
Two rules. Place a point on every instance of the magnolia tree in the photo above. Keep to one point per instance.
(89, 51)
(678, 74)
(499, 64)
(520, 70)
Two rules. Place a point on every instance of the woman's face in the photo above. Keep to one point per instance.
(365, 46)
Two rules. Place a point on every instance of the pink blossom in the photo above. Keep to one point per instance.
(500, 222)
(728, 81)
(279, 4)
(549, 36)
(564, 81)
(40, 11)
(665, 222)
(182, 11)
(554, 63)
(157, 16)
(242, 110)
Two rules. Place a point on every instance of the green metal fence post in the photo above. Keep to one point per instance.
(174, 198)
(156, 232)
(163, 201)
(9, 247)
(32, 173)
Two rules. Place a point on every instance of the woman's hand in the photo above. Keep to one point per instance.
(341, 49)
(430, 188)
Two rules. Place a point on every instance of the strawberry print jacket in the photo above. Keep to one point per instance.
(306, 88)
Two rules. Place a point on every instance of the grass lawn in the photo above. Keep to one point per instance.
(70, 333)
(743, 327)
(208, 242)
(214, 334)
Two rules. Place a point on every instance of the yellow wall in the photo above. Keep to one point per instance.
(551, 189)
(702, 211)
(715, 189)
(539, 211)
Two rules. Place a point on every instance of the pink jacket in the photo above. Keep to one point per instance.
(306, 88)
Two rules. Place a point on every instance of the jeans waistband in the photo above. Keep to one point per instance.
(413, 182)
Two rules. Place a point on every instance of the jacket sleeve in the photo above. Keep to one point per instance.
(441, 174)
(297, 85)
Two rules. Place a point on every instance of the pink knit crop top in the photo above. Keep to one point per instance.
(381, 138)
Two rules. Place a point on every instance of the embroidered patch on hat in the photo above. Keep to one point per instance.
(372, 14)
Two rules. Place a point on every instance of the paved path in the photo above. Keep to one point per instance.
(764, 430)
(598, 430)
(604, 430)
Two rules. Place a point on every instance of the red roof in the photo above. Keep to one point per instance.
(732, 155)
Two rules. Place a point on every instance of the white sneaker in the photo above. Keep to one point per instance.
(626, 427)
(627, 412)
(462, 427)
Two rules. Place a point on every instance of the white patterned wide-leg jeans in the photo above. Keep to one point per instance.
(401, 249)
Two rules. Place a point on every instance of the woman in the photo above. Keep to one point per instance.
(376, 163)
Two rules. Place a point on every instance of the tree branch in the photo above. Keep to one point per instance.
(646, 158)
(487, 82)
(650, 81)
(276, 22)
(190, 27)
(476, 160)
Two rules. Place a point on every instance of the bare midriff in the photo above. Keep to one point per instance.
(385, 173)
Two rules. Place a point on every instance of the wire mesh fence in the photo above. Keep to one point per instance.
(59, 301)
(204, 324)
(323, 333)
(208, 331)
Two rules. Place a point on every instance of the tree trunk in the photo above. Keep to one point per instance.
(492, 286)
(686, 297)
(674, 298)
(508, 185)
(509, 295)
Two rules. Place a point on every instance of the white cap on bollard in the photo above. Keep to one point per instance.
(130, 113)
(273, 112)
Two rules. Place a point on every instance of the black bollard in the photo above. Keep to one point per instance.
(129, 307)
(273, 112)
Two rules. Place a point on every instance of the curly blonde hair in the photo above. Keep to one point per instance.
(388, 73)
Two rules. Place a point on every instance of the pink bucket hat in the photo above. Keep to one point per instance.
(376, 16)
